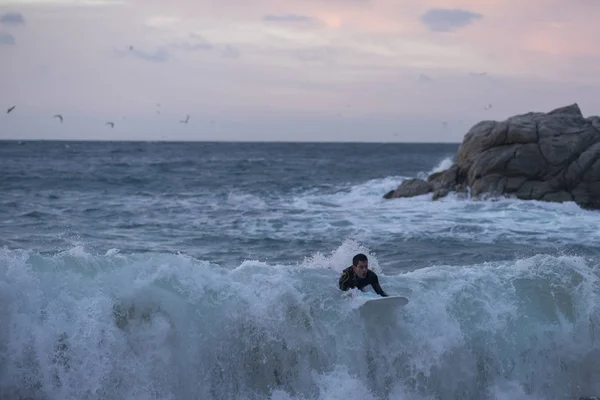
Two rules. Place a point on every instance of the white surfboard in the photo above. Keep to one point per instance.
(378, 303)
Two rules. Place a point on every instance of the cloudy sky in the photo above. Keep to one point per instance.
(310, 70)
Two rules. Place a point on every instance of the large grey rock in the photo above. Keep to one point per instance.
(552, 156)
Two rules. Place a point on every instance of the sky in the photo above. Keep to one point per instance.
(290, 70)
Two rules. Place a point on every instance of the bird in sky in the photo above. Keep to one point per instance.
(10, 109)
(112, 124)
(185, 121)
(59, 117)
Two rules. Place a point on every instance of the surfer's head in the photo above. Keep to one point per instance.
(360, 265)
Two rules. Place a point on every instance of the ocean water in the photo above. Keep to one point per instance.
(209, 271)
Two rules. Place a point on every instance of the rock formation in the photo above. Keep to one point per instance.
(552, 156)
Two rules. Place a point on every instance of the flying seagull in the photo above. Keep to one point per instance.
(112, 124)
(185, 121)
(59, 117)
(10, 109)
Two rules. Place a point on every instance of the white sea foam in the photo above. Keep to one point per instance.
(443, 165)
(361, 211)
(78, 325)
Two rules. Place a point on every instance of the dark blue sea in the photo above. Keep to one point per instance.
(154, 270)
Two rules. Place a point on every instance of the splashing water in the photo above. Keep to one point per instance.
(77, 325)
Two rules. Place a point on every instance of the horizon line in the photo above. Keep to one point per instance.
(216, 141)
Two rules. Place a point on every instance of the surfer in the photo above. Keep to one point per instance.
(358, 276)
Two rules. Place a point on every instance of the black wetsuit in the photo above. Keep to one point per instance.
(349, 280)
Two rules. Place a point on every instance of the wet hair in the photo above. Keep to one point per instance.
(358, 258)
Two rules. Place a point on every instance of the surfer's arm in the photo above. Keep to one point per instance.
(377, 287)
(344, 282)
